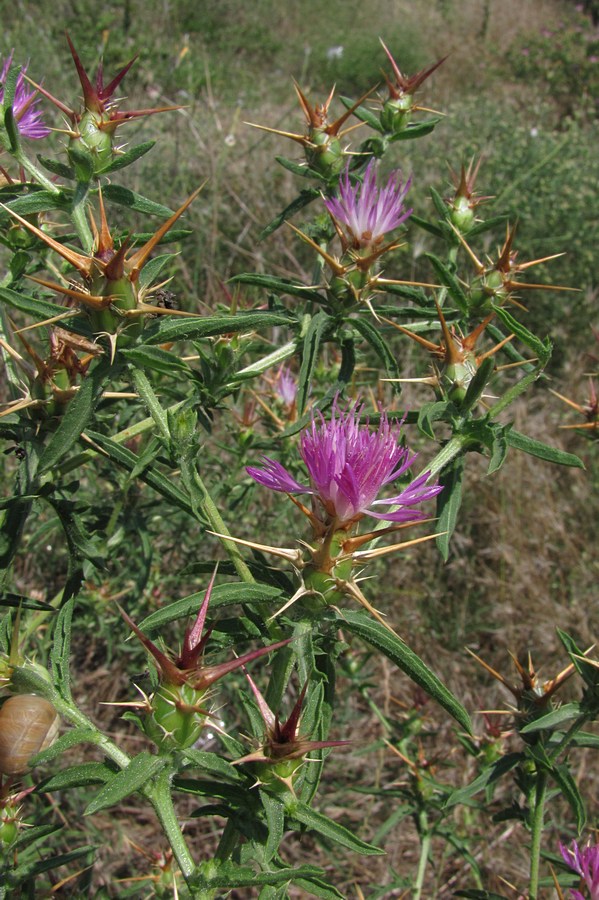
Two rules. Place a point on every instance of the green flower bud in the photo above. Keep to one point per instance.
(325, 154)
(462, 215)
(177, 717)
(397, 113)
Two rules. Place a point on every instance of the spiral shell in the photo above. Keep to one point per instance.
(28, 724)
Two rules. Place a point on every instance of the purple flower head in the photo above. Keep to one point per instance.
(585, 862)
(27, 117)
(367, 212)
(348, 465)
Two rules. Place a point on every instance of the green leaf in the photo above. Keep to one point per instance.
(83, 161)
(480, 380)
(434, 411)
(586, 739)
(541, 349)
(140, 770)
(76, 776)
(450, 281)
(569, 789)
(71, 738)
(280, 286)
(36, 202)
(372, 334)
(449, 502)
(553, 719)
(150, 476)
(152, 270)
(208, 326)
(315, 334)
(57, 168)
(76, 417)
(157, 359)
(383, 640)
(222, 595)
(212, 763)
(364, 114)
(38, 309)
(275, 823)
(302, 200)
(587, 671)
(128, 157)
(9, 599)
(529, 445)
(318, 888)
(415, 130)
(30, 869)
(489, 776)
(123, 196)
(331, 830)
(427, 226)
(61, 650)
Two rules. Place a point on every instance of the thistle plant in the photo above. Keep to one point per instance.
(126, 412)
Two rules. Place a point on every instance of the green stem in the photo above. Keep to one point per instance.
(79, 217)
(537, 833)
(425, 846)
(456, 445)
(36, 174)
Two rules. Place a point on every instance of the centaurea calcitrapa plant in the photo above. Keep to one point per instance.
(114, 388)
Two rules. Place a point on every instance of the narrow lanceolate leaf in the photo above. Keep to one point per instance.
(529, 445)
(76, 418)
(61, 650)
(156, 359)
(129, 156)
(570, 791)
(372, 334)
(36, 202)
(541, 349)
(222, 595)
(448, 503)
(38, 309)
(150, 476)
(279, 286)
(30, 869)
(139, 771)
(115, 193)
(490, 775)
(198, 327)
(553, 719)
(71, 738)
(331, 830)
(379, 637)
(314, 336)
(302, 200)
(77, 776)
(415, 130)
(450, 281)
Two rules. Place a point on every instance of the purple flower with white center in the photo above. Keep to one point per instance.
(348, 465)
(27, 117)
(585, 862)
(366, 212)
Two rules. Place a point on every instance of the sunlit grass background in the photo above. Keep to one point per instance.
(519, 88)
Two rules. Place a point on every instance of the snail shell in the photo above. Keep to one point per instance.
(28, 724)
